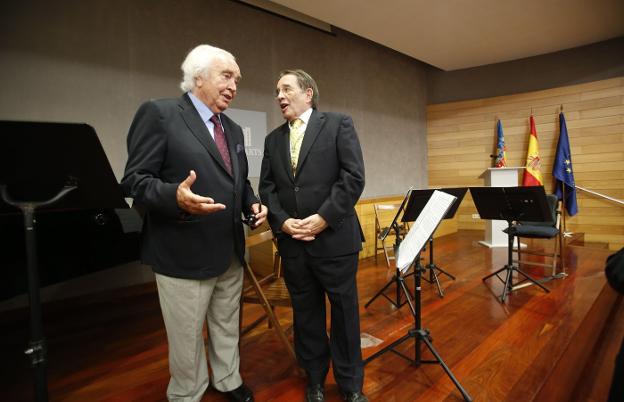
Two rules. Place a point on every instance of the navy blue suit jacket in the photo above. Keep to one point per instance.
(329, 181)
(166, 140)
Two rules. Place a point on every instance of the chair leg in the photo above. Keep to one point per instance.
(518, 250)
(376, 247)
(268, 309)
(269, 323)
(555, 256)
(385, 250)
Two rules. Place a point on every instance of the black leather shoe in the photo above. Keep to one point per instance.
(240, 394)
(355, 397)
(315, 393)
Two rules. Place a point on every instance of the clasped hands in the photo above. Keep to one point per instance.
(199, 205)
(304, 229)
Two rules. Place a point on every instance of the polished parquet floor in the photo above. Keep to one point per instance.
(535, 347)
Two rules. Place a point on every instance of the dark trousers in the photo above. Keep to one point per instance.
(617, 385)
(308, 280)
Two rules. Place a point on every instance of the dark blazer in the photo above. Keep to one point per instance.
(166, 140)
(329, 181)
(615, 271)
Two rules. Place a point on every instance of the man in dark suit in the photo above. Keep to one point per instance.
(312, 176)
(194, 239)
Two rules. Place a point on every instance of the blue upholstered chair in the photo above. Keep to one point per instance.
(542, 230)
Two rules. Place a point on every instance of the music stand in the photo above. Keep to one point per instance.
(418, 200)
(397, 276)
(512, 204)
(409, 255)
(50, 167)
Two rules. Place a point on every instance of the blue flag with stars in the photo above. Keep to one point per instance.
(562, 169)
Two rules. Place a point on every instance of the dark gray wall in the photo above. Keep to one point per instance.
(568, 67)
(96, 61)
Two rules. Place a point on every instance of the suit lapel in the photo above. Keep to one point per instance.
(312, 131)
(200, 131)
(283, 149)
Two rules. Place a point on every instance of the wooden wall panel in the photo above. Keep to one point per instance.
(261, 256)
(462, 135)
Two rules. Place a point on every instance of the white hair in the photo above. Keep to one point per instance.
(198, 62)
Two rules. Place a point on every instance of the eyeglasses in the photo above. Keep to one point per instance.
(286, 91)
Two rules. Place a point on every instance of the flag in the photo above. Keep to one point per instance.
(532, 174)
(500, 160)
(562, 169)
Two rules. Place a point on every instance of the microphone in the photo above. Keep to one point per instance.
(250, 218)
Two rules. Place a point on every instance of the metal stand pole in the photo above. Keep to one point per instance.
(418, 333)
(36, 350)
(37, 346)
(509, 270)
(397, 278)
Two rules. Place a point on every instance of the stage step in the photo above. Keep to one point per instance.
(570, 369)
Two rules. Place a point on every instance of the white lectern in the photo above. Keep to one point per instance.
(498, 177)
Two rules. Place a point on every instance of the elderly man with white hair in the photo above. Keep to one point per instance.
(187, 170)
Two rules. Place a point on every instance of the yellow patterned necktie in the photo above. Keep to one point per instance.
(296, 137)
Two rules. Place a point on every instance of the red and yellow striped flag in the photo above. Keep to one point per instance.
(532, 174)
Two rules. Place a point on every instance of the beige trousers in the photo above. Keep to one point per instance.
(185, 305)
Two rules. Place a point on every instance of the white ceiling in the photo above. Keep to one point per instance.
(456, 34)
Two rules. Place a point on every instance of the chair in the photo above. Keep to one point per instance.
(385, 234)
(543, 230)
(269, 291)
(384, 214)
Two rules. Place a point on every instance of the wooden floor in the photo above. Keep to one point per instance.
(112, 346)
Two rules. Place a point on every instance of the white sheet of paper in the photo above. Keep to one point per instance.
(423, 228)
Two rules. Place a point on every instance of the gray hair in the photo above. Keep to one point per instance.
(198, 62)
(305, 81)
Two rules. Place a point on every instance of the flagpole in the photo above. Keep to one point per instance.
(563, 208)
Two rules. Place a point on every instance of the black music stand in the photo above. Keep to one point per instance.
(397, 277)
(419, 333)
(50, 167)
(512, 204)
(418, 200)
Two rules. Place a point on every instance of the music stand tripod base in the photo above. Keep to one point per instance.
(397, 277)
(509, 286)
(432, 268)
(418, 333)
(512, 204)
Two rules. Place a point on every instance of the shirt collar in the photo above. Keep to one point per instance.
(305, 116)
(204, 112)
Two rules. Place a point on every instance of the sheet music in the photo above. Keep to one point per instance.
(423, 228)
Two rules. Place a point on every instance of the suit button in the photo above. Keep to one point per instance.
(296, 189)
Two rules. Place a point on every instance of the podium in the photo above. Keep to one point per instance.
(498, 177)
(50, 167)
